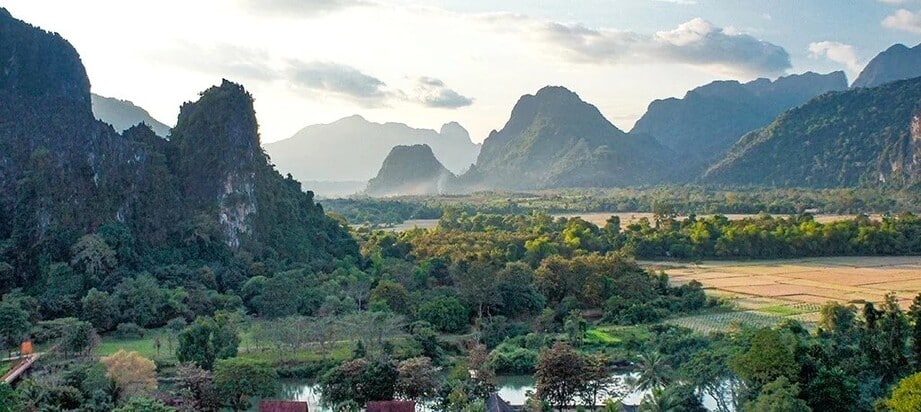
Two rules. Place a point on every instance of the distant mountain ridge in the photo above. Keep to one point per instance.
(709, 119)
(411, 170)
(860, 137)
(895, 63)
(555, 139)
(352, 148)
(123, 114)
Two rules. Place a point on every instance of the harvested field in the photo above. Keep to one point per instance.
(796, 288)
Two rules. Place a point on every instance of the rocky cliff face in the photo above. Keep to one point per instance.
(63, 173)
(218, 152)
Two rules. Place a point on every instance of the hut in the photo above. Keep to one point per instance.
(494, 403)
(391, 406)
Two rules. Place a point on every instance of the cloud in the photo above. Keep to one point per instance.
(339, 79)
(298, 8)
(432, 92)
(352, 84)
(895, 2)
(224, 60)
(696, 42)
(836, 52)
(682, 2)
(904, 20)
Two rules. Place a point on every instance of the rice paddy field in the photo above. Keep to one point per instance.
(766, 292)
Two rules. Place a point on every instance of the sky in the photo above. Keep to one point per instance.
(426, 63)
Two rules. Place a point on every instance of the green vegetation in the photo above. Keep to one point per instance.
(860, 137)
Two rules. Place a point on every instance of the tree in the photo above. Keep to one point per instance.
(417, 379)
(14, 324)
(445, 313)
(391, 294)
(779, 396)
(196, 388)
(77, 337)
(482, 375)
(906, 397)
(654, 372)
(208, 339)
(9, 399)
(94, 256)
(360, 381)
(143, 405)
(599, 383)
(133, 374)
(476, 284)
(560, 374)
(770, 357)
(915, 313)
(237, 380)
(99, 309)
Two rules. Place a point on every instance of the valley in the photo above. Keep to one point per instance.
(751, 244)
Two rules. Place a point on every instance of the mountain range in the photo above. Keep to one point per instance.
(708, 120)
(352, 148)
(898, 62)
(123, 114)
(861, 137)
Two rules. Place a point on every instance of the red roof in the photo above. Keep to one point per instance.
(282, 406)
(391, 406)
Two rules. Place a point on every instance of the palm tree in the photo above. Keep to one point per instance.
(654, 372)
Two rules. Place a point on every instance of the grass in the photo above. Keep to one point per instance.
(5, 367)
(613, 336)
(145, 346)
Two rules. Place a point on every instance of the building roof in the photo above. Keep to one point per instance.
(494, 403)
(391, 406)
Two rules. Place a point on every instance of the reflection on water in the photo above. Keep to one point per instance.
(513, 389)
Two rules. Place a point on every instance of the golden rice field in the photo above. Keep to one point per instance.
(796, 288)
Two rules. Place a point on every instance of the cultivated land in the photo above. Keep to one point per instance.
(794, 288)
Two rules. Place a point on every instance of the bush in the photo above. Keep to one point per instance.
(129, 330)
(509, 358)
(177, 324)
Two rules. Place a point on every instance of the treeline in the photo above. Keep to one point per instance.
(539, 235)
(684, 200)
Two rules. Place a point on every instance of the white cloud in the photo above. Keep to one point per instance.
(339, 79)
(431, 92)
(298, 8)
(836, 52)
(904, 20)
(696, 42)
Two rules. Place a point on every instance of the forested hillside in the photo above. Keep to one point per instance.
(860, 137)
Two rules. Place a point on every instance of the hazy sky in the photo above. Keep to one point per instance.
(425, 63)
